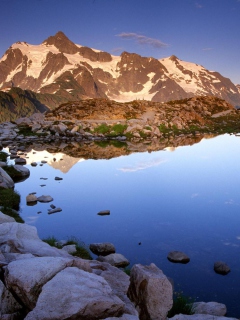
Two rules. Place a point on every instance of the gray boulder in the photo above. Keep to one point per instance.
(150, 291)
(115, 259)
(76, 294)
(5, 180)
(26, 277)
(20, 161)
(31, 198)
(22, 238)
(71, 248)
(213, 308)
(102, 249)
(119, 282)
(45, 198)
(178, 257)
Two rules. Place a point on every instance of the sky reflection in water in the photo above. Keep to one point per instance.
(186, 200)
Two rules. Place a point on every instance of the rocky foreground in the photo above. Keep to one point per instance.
(42, 282)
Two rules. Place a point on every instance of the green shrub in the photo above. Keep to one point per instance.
(103, 128)
(3, 156)
(82, 250)
(12, 213)
(119, 129)
(9, 198)
(181, 304)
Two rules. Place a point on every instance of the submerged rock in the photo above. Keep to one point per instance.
(115, 259)
(178, 257)
(221, 268)
(102, 249)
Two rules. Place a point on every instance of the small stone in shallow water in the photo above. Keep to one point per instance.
(178, 257)
(52, 206)
(54, 210)
(45, 198)
(104, 213)
(43, 161)
(58, 178)
(221, 268)
(34, 164)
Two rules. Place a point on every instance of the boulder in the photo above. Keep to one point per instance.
(150, 291)
(26, 277)
(71, 248)
(213, 308)
(102, 249)
(31, 198)
(178, 257)
(45, 199)
(9, 306)
(34, 164)
(54, 210)
(5, 180)
(115, 259)
(119, 282)
(5, 218)
(76, 294)
(22, 238)
(20, 161)
(23, 121)
(221, 268)
(19, 173)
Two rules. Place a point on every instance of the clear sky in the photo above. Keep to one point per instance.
(205, 32)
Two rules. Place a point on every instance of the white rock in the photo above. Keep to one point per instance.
(71, 248)
(5, 180)
(22, 238)
(115, 259)
(213, 308)
(26, 277)
(5, 218)
(76, 294)
(151, 292)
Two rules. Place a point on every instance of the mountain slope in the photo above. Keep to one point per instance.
(58, 66)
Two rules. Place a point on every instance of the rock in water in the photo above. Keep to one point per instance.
(45, 198)
(5, 180)
(221, 268)
(104, 213)
(178, 257)
(213, 308)
(150, 291)
(102, 249)
(115, 259)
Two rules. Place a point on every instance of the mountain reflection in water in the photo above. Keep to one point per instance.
(186, 200)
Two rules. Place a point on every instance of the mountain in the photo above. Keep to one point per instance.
(72, 72)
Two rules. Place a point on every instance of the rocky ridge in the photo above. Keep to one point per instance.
(68, 70)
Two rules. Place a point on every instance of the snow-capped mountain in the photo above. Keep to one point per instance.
(72, 71)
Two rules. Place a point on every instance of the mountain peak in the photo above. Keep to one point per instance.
(61, 41)
(173, 58)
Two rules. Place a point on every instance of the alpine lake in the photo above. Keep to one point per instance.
(183, 197)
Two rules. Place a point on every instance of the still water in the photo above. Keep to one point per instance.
(185, 199)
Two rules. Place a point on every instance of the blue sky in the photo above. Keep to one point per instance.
(205, 32)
